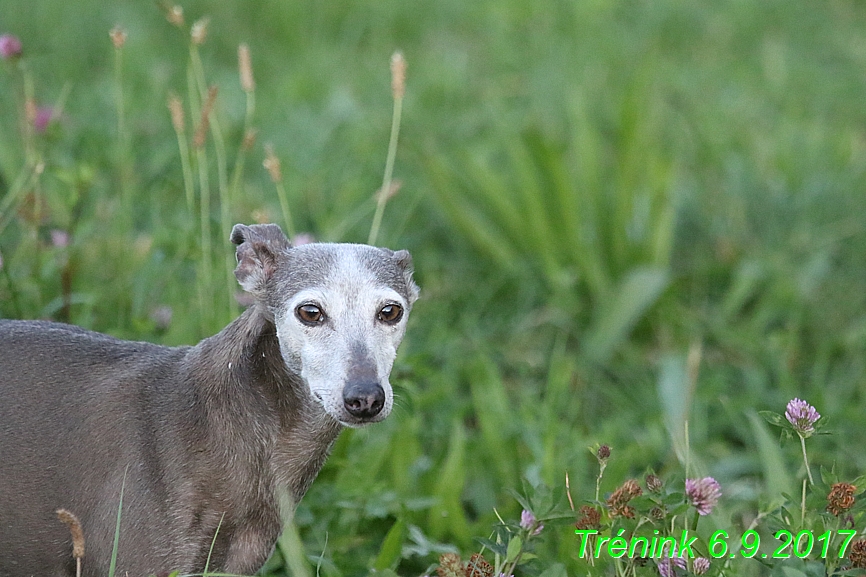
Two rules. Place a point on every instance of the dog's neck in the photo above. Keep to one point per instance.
(265, 412)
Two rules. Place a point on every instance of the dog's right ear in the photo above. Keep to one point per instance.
(258, 247)
(404, 261)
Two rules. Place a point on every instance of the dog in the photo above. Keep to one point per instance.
(201, 440)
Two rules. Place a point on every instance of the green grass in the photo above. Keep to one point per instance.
(624, 216)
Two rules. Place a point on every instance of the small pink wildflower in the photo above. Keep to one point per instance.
(703, 494)
(528, 522)
(59, 238)
(670, 562)
(44, 116)
(10, 47)
(700, 565)
(802, 416)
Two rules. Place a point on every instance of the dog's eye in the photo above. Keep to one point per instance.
(310, 314)
(390, 313)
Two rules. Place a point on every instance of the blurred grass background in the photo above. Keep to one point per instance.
(624, 215)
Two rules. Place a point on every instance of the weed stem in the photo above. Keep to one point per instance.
(803, 504)
(806, 460)
(385, 191)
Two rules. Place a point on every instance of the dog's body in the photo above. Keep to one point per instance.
(200, 439)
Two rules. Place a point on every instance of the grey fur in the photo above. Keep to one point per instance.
(206, 436)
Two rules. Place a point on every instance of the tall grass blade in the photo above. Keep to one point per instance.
(392, 547)
(638, 291)
(467, 218)
(112, 567)
(491, 405)
(675, 392)
(447, 516)
(216, 533)
(292, 549)
(777, 478)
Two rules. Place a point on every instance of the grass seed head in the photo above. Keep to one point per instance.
(200, 135)
(75, 530)
(392, 191)
(199, 31)
(398, 75)
(249, 139)
(118, 36)
(245, 66)
(174, 15)
(272, 164)
(175, 106)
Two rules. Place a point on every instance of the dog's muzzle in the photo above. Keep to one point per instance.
(363, 400)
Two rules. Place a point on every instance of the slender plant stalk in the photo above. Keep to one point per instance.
(284, 207)
(249, 87)
(803, 504)
(806, 460)
(199, 143)
(212, 543)
(206, 302)
(123, 155)
(601, 468)
(222, 170)
(384, 193)
(398, 77)
(216, 131)
(240, 159)
(177, 120)
(272, 164)
(201, 280)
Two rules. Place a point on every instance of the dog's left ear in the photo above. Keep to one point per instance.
(258, 247)
(404, 262)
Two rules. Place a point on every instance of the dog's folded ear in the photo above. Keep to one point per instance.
(258, 248)
(404, 262)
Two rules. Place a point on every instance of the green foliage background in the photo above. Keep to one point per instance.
(624, 215)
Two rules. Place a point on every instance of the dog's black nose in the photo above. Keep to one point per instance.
(363, 400)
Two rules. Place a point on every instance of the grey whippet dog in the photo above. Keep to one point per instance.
(203, 438)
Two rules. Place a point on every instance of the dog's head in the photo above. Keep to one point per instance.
(340, 311)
